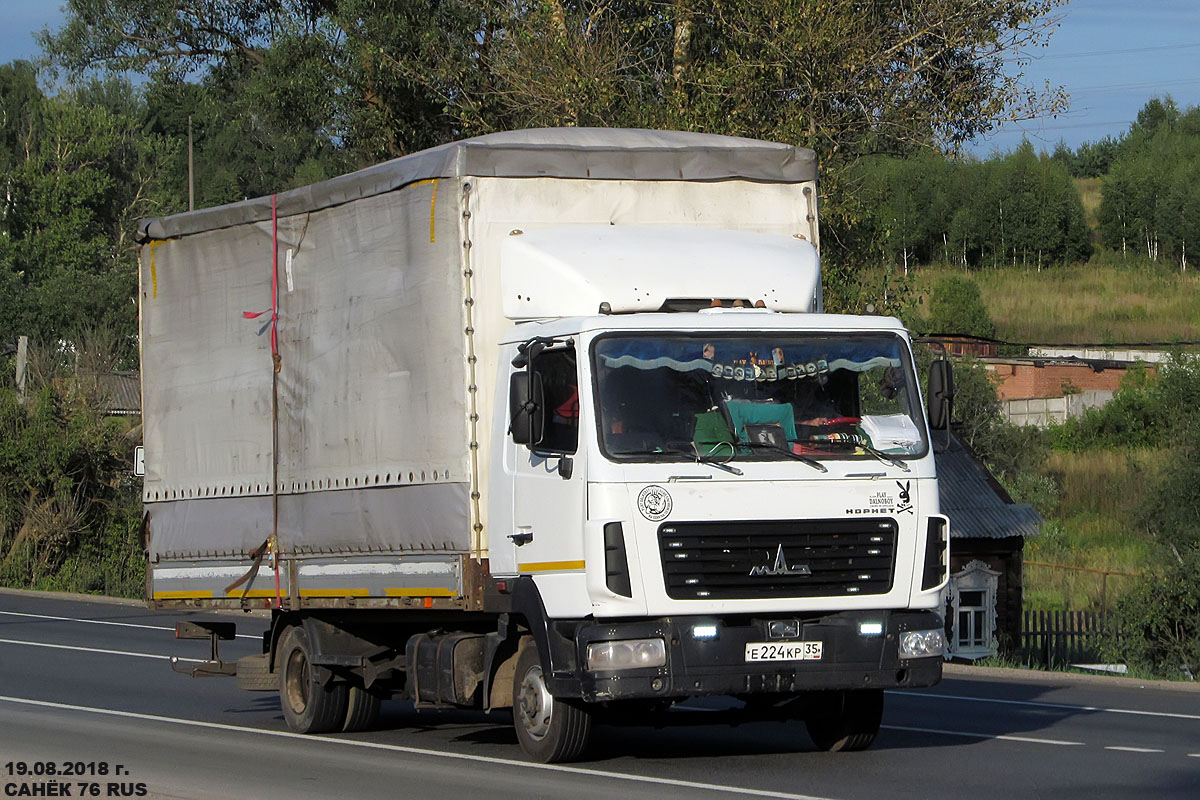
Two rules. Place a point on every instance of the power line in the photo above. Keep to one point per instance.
(1121, 87)
(1092, 53)
(1032, 129)
(939, 338)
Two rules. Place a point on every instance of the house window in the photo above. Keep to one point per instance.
(972, 610)
(972, 620)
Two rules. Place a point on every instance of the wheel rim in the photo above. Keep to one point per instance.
(535, 705)
(298, 681)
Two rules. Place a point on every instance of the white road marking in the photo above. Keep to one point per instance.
(1065, 706)
(1135, 749)
(109, 622)
(1003, 736)
(418, 751)
(99, 650)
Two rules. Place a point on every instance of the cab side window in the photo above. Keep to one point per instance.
(560, 384)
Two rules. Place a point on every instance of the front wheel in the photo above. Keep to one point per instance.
(549, 730)
(309, 705)
(845, 720)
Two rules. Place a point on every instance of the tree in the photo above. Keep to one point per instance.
(310, 87)
(956, 306)
(1093, 159)
(84, 171)
(1161, 615)
(831, 74)
(1149, 201)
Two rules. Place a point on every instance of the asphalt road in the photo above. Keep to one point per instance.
(86, 688)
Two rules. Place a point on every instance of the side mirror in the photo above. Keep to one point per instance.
(526, 408)
(940, 399)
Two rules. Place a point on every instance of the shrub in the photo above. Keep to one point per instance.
(1160, 619)
(1161, 615)
(956, 306)
(69, 507)
(1144, 412)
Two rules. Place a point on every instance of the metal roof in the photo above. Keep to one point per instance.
(121, 392)
(977, 505)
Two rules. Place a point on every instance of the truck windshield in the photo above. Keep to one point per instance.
(756, 397)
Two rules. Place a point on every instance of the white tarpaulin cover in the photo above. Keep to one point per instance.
(371, 381)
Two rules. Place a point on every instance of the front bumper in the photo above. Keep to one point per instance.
(850, 659)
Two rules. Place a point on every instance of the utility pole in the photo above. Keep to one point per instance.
(191, 170)
(22, 365)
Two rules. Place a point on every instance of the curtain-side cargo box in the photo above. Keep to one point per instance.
(318, 365)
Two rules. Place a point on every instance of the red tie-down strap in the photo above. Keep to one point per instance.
(273, 322)
(271, 546)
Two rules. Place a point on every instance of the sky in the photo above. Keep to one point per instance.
(1111, 56)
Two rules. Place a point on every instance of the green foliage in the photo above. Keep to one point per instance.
(835, 75)
(1174, 502)
(1161, 616)
(1151, 196)
(69, 508)
(1091, 159)
(1022, 208)
(1160, 619)
(281, 91)
(80, 174)
(1145, 412)
(1015, 455)
(1096, 523)
(956, 306)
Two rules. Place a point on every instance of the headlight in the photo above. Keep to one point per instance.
(627, 654)
(920, 644)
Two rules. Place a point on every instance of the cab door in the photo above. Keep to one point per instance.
(548, 484)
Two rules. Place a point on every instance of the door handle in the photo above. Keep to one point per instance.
(521, 538)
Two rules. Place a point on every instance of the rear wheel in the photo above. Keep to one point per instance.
(845, 720)
(310, 705)
(549, 730)
(362, 710)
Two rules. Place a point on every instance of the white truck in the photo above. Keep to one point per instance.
(549, 420)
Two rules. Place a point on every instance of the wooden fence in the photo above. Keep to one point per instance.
(1056, 638)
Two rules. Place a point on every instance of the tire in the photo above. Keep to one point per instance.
(550, 731)
(845, 721)
(362, 710)
(254, 674)
(309, 706)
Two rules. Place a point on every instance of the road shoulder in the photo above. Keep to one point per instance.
(1065, 678)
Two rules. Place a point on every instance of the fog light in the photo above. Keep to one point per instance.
(921, 644)
(704, 631)
(627, 654)
(870, 628)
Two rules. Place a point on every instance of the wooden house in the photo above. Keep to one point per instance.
(987, 538)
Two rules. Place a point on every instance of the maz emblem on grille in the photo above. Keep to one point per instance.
(780, 567)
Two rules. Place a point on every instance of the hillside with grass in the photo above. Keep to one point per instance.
(1093, 302)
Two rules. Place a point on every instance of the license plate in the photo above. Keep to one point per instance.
(783, 651)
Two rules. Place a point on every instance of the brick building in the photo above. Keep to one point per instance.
(1025, 378)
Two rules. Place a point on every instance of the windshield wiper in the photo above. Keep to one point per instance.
(674, 451)
(812, 462)
(858, 441)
